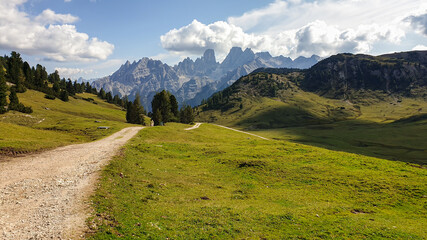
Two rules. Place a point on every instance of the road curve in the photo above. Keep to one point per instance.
(193, 127)
(241, 131)
(45, 196)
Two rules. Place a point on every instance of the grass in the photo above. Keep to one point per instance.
(394, 141)
(56, 123)
(363, 124)
(213, 183)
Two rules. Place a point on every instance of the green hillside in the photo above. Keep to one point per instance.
(56, 123)
(365, 121)
(213, 183)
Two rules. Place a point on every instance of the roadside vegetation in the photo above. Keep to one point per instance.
(213, 183)
(40, 111)
(56, 123)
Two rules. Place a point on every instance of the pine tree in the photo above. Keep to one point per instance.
(3, 91)
(129, 112)
(63, 95)
(161, 102)
(70, 88)
(186, 114)
(157, 117)
(109, 97)
(174, 108)
(13, 99)
(102, 93)
(135, 112)
(88, 88)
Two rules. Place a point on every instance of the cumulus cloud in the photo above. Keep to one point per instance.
(72, 72)
(197, 37)
(420, 48)
(49, 35)
(50, 17)
(299, 28)
(419, 22)
(314, 38)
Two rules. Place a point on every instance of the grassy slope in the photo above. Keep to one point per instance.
(376, 132)
(364, 126)
(55, 123)
(212, 183)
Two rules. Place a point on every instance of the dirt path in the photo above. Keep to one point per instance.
(43, 196)
(193, 127)
(241, 131)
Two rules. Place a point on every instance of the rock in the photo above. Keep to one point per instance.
(103, 127)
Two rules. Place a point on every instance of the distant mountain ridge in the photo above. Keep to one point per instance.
(338, 88)
(192, 81)
(399, 73)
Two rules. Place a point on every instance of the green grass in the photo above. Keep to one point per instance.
(213, 183)
(405, 141)
(56, 123)
(364, 125)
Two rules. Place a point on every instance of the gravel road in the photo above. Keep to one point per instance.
(197, 125)
(45, 196)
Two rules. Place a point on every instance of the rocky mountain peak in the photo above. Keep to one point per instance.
(236, 57)
(209, 57)
(190, 80)
(264, 55)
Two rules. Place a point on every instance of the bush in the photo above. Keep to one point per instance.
(50, 97)
(20, 108)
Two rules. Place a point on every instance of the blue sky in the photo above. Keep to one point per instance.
(92, 38)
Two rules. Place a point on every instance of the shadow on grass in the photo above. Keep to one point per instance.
(291, 116)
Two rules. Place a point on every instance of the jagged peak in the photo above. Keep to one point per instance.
(264, 55)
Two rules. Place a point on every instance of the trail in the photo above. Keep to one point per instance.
(242, 132)
(45, 196)
(193, 127)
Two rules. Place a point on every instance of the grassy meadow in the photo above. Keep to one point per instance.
(379, 125)
(56, 123)
(213, 183)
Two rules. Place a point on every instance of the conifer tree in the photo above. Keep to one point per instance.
(161, 102)
(13, 99)
(174, 108)
(135, 112)
(157, 117)
(109, 97)
(102, 93)
(63, 95)
(15, 73)
(186, 114)
(70, 88)
(3, 91)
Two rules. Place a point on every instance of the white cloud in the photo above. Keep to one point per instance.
(314, 38)
(197, 37)
(420, 48)
(72, 72)
(297, 27)
(67, 0)
(48, 34)
(50, 17)
(287, 15)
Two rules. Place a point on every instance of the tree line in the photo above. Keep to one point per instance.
(22, 77)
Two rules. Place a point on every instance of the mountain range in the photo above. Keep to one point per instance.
(192, 81)
(338, 88)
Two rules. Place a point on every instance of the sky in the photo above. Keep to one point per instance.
(93, 38)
